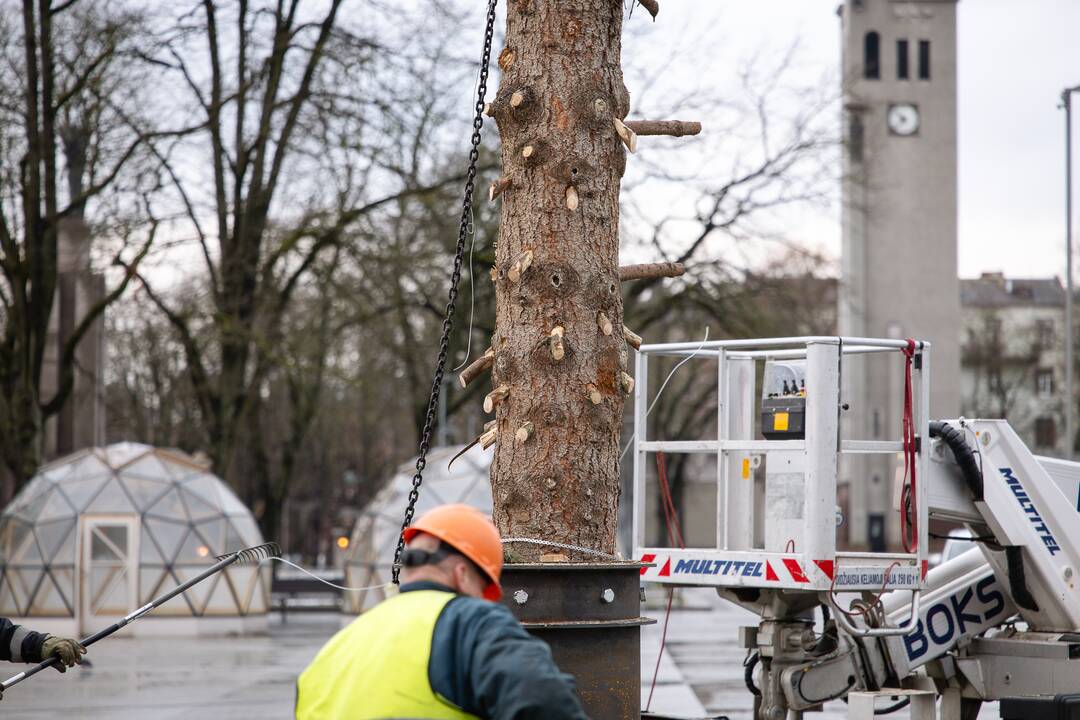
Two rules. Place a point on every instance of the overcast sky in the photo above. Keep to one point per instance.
(1015, 57)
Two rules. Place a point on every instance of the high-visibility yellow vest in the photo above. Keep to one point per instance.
(377, 667)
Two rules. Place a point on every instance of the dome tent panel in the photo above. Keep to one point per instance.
(57, 506)
(111, 499)
(151, 578)
(53, 473)
(222, 600)
(169, 506)
(37, 495)
(18, 541)
(167, 534)
(144, 491)
(213, 533)
(245, 581)
(64, 579)
(49, 600)
(81, 489)
(53, 537)
(199, 594)
(8, 607)
(195, 550)
(205, 489)
(88, 464)
(198, 509)
(23, 583)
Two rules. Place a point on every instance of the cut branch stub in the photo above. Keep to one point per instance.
(649, 271)
(477, 367)
(652, 6)
(594, 394)
(528, 151)
(506, 59)
(555, 342)
(524, 432)
(521, 263)
(498, 187)
(489, 110)
(632, 338)
(628, 136)
(672, 128)
(488, 438)
(490, 424)
(626, 382)
(603, 323)
(571, 198)
(495, 397)
(516, 99)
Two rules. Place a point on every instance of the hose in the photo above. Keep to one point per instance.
(893, 708)
(965, 458)
(748, 674)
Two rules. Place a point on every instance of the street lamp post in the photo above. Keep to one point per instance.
(1066, 100)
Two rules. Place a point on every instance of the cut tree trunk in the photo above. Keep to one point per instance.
(561, 148)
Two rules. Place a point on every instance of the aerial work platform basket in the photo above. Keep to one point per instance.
(777, 455)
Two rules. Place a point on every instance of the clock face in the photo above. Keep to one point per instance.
(903, 119)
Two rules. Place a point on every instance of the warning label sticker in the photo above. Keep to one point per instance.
(870, 577)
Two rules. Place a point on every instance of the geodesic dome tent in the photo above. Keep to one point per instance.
(101, 532)
(375, 535)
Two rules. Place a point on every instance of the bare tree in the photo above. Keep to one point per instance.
(62, 74)
(1002, 365)
(308, 140)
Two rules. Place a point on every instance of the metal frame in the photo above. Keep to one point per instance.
(816, 566)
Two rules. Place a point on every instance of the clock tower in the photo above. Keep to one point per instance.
(899, 216)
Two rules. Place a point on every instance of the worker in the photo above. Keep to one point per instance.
(441, 648)
(17, 644)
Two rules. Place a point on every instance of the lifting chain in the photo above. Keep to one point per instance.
(464, 229)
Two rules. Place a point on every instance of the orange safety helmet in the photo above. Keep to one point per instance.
(470, 532)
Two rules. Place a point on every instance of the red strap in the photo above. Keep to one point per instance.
(909, 524)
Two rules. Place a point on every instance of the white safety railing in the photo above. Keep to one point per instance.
(803, 471)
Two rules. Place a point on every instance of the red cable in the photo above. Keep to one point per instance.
(674, 530)
(909, 521)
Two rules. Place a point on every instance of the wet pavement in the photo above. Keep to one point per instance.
(253, 677)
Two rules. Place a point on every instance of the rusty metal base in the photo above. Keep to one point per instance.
(588, 613)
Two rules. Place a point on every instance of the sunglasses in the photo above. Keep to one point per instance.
(415, 557)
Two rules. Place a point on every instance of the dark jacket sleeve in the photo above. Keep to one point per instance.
(485, 663)
(17, 644)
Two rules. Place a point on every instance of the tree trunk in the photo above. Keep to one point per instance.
(562, 88)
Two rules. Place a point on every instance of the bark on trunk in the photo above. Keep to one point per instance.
(565, 162)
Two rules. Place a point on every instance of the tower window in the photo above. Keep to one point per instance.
(924, 59)
(872, 56)
(855, 137)
(902, 59)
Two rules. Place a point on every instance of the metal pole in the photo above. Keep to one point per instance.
(1066, 97)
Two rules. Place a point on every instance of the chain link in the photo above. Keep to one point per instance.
(464, 230)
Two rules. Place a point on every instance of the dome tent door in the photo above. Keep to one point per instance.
(109, 570)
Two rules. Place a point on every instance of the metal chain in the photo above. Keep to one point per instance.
(455, 277)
